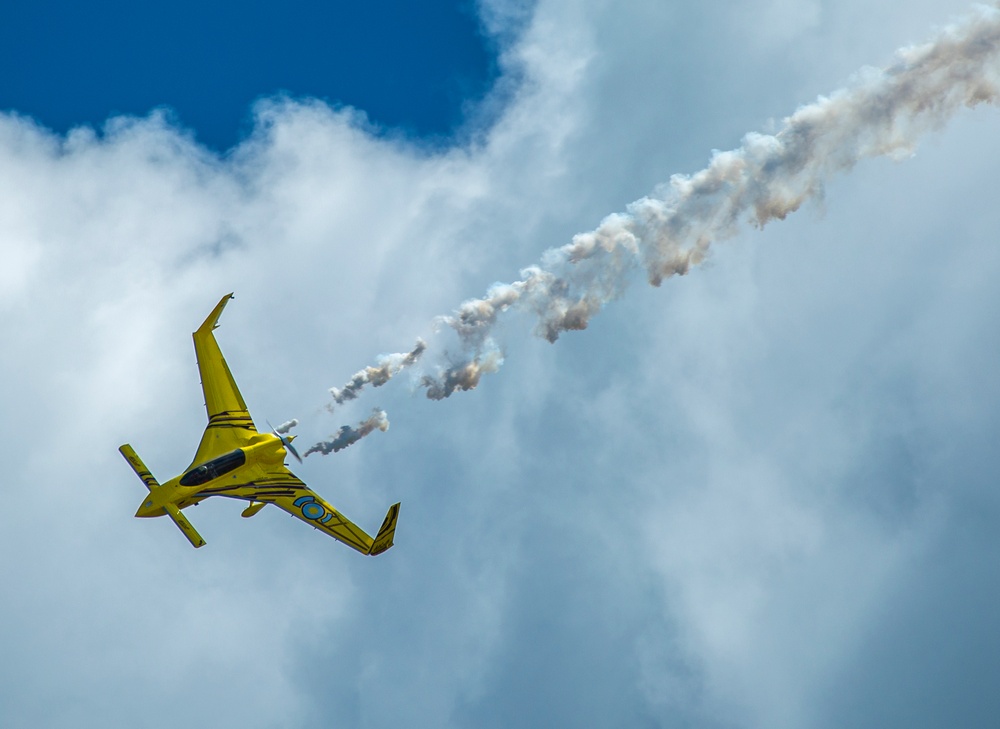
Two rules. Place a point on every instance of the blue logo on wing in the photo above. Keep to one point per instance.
(311, 509)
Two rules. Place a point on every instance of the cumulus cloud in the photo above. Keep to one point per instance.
(742, 499)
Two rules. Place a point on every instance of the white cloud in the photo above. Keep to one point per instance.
(701, 510)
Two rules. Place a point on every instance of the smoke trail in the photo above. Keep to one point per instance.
(462, 376)
(768, 177)
(387, 367)
(348, 436)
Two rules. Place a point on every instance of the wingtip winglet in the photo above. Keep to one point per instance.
(383, 540)
(212, 321)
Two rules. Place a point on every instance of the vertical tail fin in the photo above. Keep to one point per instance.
(383, 540)
(138, 466)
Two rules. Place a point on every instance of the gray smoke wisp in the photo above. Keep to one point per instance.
(347, 435)
(882, 113)
(464, 376)
(387, 366)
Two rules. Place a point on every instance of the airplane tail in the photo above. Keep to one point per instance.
(383, 540)
(151, 483)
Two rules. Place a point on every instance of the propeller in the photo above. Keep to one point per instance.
(286, 441)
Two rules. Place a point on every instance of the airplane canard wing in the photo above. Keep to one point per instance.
(229, 423)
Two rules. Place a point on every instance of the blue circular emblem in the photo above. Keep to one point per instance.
(312, 510)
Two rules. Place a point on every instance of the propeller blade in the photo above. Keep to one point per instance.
(286, 441)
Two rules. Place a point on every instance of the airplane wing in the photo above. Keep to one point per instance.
(289, 493)
(307, 505)
(229, 423)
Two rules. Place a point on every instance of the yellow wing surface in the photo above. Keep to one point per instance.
(285, 490)
(229, 423)
(307, 505)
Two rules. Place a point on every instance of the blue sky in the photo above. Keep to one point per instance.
(409, 66)
(761, 495)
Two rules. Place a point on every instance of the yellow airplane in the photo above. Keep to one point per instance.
(235, 461)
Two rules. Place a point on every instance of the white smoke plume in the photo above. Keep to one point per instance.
(387, 366)
(286, 426)
(882, 113)
(347, 435)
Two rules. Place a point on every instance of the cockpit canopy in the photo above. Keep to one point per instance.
(214, 468)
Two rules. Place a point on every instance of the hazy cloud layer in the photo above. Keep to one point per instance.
(762, 495)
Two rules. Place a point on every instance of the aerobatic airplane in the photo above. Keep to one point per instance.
(235, 461)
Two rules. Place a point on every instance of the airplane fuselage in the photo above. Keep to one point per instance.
(238, 466)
